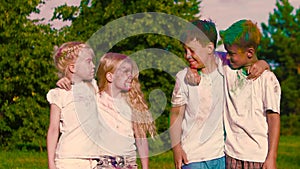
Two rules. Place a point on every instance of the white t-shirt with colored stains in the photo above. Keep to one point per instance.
(245, 113)
(202, 126)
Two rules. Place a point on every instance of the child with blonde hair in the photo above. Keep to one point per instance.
(123, 108)
(123, 112)
(68, 145)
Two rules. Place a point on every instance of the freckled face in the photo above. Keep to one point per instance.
(190, 57)
(122, 77)
(237, 57)
(196, 54)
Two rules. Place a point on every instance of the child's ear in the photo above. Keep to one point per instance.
(211, 48)
(71, 68)
(109, 77)
(250, 52)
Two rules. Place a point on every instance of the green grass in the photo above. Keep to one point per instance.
(288, 157)
(289, 152)
(23, 160)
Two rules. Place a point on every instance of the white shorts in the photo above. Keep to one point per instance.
(75, 163)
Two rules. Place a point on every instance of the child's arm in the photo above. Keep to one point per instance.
(273, 120)
(64, 83)
(254, 71)
(52, 135)
(192, 77)
(142, 146)
(257, 69)
(176, 118)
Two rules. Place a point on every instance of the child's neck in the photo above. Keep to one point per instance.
(250, 63)
(210, 65)
(76, 79)
(113, 93)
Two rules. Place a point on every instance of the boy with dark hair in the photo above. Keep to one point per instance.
(197, 132)
(196, 116)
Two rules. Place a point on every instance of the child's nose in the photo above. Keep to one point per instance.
(188, 55)
(188, 52)
(130, 77)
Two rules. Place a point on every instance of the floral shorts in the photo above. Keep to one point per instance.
(116, 162)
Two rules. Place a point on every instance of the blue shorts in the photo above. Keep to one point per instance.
(218, 163)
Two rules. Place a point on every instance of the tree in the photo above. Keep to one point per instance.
(280, 46)
(26, 72)
(89, 18)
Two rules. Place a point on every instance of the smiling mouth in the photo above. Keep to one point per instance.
(192, 62)
(128, 84)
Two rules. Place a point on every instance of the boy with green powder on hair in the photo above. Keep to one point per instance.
(252, 108)
(196, 116)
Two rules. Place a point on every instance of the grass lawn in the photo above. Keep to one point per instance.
(289, 152)
(288, 157)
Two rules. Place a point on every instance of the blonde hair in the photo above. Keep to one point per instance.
(141, 115)
(67, 54)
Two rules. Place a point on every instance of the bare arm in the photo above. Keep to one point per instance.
(254, 71)
(142, 146)
(192, 77)
(175, 133)
(273, 120)
(52, 135)
(257, 69)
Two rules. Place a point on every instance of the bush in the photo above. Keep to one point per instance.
(290, 125)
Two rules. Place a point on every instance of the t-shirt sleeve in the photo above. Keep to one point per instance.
(54, 97)
(272, 93)
(179, 96)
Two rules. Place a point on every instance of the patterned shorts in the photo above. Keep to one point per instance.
(116, 162)
(232, 163)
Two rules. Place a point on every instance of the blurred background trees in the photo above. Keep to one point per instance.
(281, 47)
(26, 75)
(27, 70)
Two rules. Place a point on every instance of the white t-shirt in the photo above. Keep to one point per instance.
(202, 126)
(245, 113)
(78, 111)
(115, 115)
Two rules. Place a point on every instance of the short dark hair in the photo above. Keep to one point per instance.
(202, 30)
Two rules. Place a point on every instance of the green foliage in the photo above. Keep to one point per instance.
(280, 46)
(26, 72)
(65, 12)
(290, 125)
(93, 18)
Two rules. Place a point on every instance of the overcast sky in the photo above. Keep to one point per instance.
(226, 12)
(222, 12)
